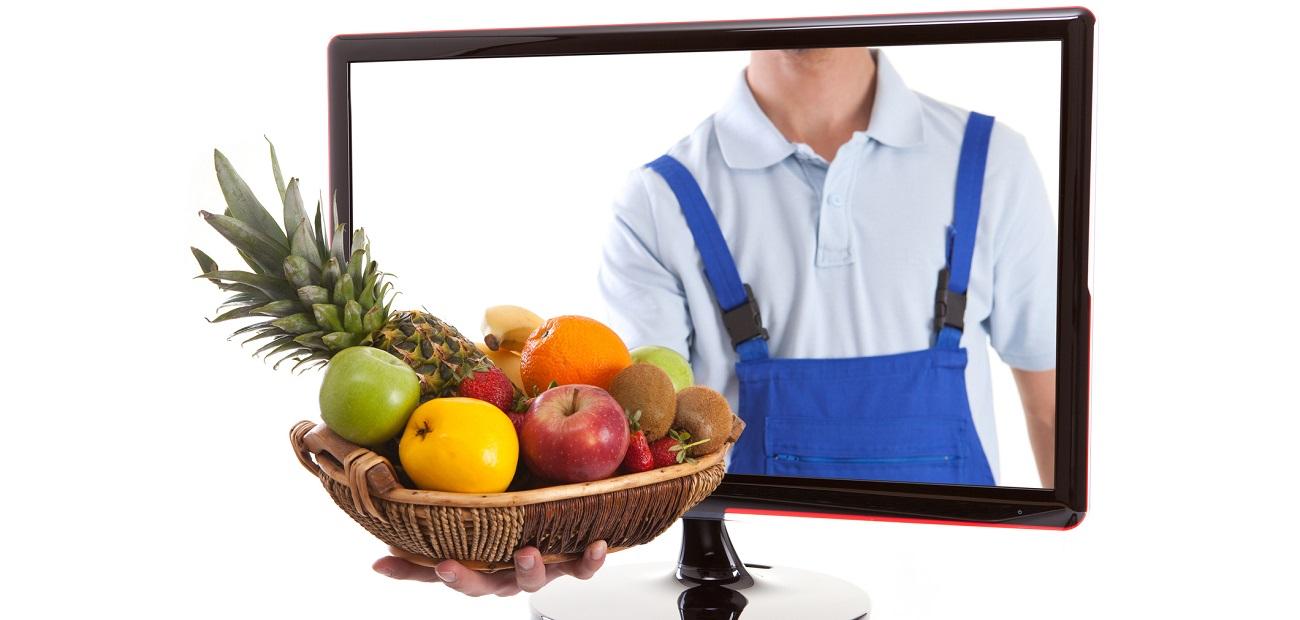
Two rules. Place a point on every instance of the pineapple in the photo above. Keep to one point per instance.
(314, 298)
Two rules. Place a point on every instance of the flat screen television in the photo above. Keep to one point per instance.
(870, 233)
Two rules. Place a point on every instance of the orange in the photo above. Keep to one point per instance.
(571, 349)
(461, 445)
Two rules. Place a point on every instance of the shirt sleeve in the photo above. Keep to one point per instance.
(645, 301)
(1022, 321)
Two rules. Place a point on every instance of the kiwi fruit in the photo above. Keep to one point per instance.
(737, 427)
(648, 389)
(704, 413)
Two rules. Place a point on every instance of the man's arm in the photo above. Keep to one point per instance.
(1038, 396)
(1022, 325)
(644, 299)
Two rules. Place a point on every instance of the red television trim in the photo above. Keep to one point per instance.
(825, 515)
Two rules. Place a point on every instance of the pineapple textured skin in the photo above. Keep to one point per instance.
(439, 353)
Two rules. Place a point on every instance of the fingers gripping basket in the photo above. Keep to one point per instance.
(482, 531)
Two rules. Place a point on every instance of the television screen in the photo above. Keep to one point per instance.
(835, 177)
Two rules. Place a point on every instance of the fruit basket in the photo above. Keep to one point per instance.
(482, 531)
(463, 434)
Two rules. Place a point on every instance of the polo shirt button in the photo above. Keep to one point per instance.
(837, 200)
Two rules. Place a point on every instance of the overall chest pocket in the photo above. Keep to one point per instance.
(898, 418)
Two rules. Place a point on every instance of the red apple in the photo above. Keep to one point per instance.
(574, 433)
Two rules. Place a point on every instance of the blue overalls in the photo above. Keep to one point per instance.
(900, 417)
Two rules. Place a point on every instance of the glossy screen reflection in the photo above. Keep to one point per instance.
(523, 181)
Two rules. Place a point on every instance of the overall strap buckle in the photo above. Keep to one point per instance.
(744, 321)
(949, 306)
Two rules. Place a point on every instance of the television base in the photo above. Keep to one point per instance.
(709, 582)
(651, 591)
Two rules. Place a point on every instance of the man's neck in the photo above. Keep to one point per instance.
(818, 97)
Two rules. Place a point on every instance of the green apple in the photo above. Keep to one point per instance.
(668, 360)
(367, 395)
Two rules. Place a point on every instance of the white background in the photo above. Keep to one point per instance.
(507, 168)
(147, 471)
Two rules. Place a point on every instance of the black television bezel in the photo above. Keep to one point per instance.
(1062, 506)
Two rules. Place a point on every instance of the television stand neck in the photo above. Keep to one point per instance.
(707, 556)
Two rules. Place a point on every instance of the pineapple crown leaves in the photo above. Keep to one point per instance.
(314, 298)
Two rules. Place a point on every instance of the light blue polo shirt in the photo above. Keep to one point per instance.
(844, 257)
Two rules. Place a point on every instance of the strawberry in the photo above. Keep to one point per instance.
(492, 386)
(638, 457)
(671, 449)
(518, 420)
(518, 412)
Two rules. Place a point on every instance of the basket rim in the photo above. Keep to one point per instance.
(316, 438)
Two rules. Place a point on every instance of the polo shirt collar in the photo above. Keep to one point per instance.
(749, 140)
(896, 118)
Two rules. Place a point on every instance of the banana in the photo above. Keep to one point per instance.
(506, 327)
(507, 361)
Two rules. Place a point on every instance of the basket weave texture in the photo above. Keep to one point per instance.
(482, 531)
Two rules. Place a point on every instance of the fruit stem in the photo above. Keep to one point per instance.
(573, 403)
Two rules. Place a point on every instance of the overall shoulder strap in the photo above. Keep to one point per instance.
(739, 309)
(950, 298)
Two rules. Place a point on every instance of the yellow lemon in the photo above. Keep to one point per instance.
(462, 445)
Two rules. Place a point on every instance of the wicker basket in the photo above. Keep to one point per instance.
(482, 531)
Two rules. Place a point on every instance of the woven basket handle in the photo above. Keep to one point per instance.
(296, 435)
(322, 452)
